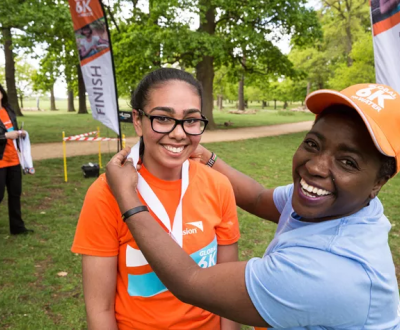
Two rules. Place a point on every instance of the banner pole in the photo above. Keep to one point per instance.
(115, 80)
(65, 158)
(98, 135)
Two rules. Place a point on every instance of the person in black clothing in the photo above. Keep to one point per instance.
(10, 169)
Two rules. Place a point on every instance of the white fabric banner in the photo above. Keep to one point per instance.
(99, 82)
(385, 17)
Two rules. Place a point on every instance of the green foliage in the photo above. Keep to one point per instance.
(24, 72)
(362, 69)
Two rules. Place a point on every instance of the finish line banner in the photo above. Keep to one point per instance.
(94, 47)
(385, 17)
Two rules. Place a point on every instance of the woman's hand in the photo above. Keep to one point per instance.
(122, 178)
(15, 134)
(201, 155)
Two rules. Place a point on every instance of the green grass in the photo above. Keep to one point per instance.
(34, 297)
(47, 126)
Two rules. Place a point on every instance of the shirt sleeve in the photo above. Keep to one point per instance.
(281, 196)
(97, 230)
(300, 287)
(228, 229)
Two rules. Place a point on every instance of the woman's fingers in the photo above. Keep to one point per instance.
(120, 157)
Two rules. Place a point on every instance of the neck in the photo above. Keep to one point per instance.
(161, 172)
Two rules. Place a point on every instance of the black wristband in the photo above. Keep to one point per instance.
(133, 211)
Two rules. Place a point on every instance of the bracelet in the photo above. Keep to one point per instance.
(212, 160)
(134, 211)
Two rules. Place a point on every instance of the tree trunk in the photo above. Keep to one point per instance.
(21, 99)
(157, 54)
(274, 104)
(241, 93)
(10, 71)
(71, 106)
(52, 99)
(308, 87)
(205, 68)
(220, 102)
(263, 104)
(285, 104)
(81, 92)
(349, 45)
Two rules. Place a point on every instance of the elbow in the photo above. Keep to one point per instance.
(185, 288)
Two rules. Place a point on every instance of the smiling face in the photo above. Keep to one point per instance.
(165, 153)
(335, 169)
(87, 32)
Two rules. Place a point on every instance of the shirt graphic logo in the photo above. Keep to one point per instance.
(197, 224)
(375, 96)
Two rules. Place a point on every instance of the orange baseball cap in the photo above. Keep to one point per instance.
(379, 107)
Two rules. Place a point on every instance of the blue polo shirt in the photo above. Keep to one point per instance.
(336, 274)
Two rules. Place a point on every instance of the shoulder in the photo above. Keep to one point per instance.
(292, 282)
(207, 176)
(283, 195)
(100, 190)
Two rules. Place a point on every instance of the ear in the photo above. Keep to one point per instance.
(137, 122)
(378, 185)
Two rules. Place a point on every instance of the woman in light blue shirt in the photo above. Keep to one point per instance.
(329, 265)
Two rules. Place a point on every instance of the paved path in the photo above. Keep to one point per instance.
(54, 150)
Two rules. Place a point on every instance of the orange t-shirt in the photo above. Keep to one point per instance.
(209, 219)
(10, 156)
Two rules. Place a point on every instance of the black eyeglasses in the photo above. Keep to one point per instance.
(165, 125)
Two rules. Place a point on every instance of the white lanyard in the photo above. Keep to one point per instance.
(154, 203)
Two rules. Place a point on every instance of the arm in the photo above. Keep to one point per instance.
(228, 253)
(99, 287)
(220, 289)
(250, 195)
(84, 52)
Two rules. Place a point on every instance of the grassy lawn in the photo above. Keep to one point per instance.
(33, 296)
(47, 126)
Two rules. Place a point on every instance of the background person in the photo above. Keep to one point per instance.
(10, 169)
(90, 44)
(192, 202)
(329, 265)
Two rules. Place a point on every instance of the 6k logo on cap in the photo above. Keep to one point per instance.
(379, 107)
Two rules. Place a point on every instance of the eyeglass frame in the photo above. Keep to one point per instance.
(177, 122)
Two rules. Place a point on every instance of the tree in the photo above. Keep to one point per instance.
(343, 21)
(24, 83)
(30, 18)
(46, 76)
(225, 27)
(362, 69)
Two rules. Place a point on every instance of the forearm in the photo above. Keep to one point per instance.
(247, 190)
(229, 325)
(104, 320)
(177, 272)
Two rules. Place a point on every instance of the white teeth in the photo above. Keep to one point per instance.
(173, 149)
(308, 188)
